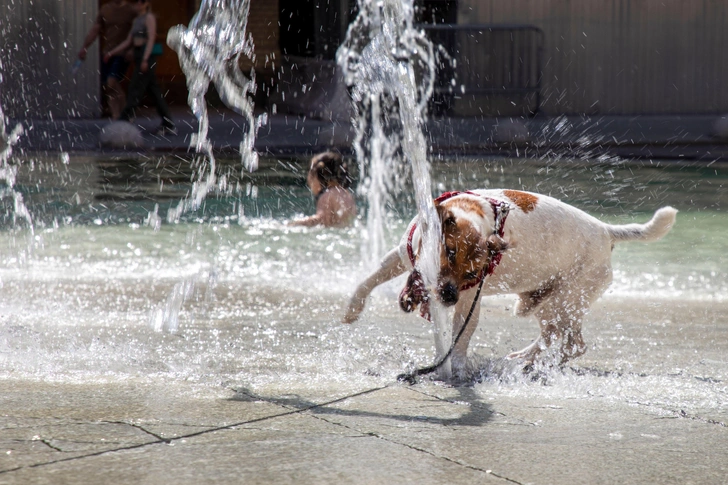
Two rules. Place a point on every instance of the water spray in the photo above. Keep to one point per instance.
(209, 51)
(9, 172)
(382, 58)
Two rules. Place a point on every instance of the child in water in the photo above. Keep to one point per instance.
(329, 182)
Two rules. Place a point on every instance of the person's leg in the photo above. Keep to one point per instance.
(116, 97)
(136, 92)
(156, 92)
(105, 69)
(137, 88)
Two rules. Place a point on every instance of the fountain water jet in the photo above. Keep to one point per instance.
(209, 50)
(382, 58)
(9, 172)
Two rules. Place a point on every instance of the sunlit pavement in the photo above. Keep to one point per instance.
(600, 429)
(689, 137)
(135, 433)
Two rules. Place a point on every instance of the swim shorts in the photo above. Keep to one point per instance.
(116, 68)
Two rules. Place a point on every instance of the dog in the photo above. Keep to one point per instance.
(553, 256)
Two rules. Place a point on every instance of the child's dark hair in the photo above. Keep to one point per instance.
(330, 167)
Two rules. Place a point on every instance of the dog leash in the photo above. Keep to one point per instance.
(411, 377)
(500, 211)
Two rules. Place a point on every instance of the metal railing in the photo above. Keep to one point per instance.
(490, 60)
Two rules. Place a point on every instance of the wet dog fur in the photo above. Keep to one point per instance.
(555, 258)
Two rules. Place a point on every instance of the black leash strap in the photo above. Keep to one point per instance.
(411, 377)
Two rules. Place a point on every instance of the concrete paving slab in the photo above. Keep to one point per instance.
(547, 441)
(261, 457)
(147, 432)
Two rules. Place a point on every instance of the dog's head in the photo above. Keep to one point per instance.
(468, 245)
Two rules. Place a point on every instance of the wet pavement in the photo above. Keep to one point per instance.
(576, 431)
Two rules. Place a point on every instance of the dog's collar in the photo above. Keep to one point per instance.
(500, 212)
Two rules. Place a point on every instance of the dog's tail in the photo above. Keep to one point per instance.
(656, 228)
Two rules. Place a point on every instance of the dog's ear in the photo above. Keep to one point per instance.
(447, 219)
(496, 244)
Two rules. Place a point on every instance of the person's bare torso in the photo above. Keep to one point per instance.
(116, 19)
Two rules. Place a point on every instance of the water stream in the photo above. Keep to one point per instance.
(8, 171)
(390, 68)
(209, 51)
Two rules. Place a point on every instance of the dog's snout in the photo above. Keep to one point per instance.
(449, 294)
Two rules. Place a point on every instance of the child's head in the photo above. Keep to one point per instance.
(328, 169)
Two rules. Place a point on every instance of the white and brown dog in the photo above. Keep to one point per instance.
(556, 258)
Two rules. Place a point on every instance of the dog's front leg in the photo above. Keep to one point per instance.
(390, 267)
(462, 309)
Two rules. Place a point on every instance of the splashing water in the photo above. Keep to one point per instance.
(9, 172)
(382, 57)
(209, 50)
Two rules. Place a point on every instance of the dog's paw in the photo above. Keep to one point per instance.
(527, 355)
(413, 293)
(356, 306)
(352, 314)
(350, 317)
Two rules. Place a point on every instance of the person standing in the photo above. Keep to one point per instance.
(112, 25)
(144, 78)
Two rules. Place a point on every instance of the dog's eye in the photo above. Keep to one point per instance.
(450, 255)
(470, 275)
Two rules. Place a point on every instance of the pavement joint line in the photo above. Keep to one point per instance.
(683, 414)
(677, 414)
(49, 445)
(198, 433)
(141, 428)
(379, 436)
(417, 449)
(88, 455)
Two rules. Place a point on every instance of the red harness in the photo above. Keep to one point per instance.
(500, 212)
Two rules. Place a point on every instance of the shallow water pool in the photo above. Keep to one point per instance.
(103, 288)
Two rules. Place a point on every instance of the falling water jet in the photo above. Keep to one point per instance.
(9, 172)
(381, 58)
(209, 50)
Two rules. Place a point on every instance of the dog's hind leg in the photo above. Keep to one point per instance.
(561, 314)
(588, 288)
(530, 300)
(390, 267)
(557, 323)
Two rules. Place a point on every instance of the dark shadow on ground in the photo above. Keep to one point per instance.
(476, 412)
